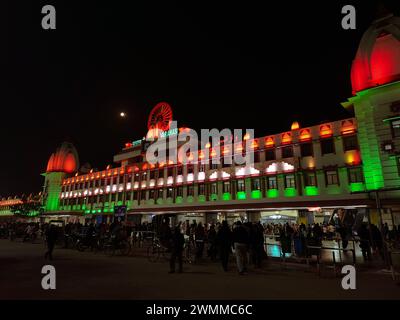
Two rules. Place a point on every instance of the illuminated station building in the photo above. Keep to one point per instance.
(300, 175)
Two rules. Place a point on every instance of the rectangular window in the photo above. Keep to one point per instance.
(310, 178)
(270, 155)
(290, 181)
(170, 172)
(170, 193)
(241, 186)
(152, 194)
(287, 152)
(160, 193)
(190, 169)
(395, 124)
(355, 175)
(306, 149)
(256, 157)
(214, 163)
(226, 162)
(179, 170)
(143, 195)
(190, 190)
(255, 184)
(202, 189)
(398, 164)
(214, 189)
(202, 168)
(332, 177)
(350, 143)
(135, 195)
(327, 146)
(227, 187)
(272, 182)
(180, 192)
(153, 174)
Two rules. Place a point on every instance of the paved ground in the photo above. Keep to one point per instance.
(95, 276)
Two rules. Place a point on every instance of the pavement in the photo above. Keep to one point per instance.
(86, 275)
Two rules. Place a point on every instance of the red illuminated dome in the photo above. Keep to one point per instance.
(377, 61)
(65, 159)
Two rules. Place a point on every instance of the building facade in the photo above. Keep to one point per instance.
(303, 174)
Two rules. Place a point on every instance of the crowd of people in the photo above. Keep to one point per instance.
(215, 241)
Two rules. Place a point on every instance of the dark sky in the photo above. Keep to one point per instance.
(235, 65)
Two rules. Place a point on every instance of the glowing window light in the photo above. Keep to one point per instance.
(272, 168)
(208, 145)
(286, 138)
(170, 162)
(201, 155)
(96, 191)
(287, 166)
(121, 187)
(143, 184)
(108, 189)
(114, 188)
(213, 153)
(85, 193)
(90, 192)
(190, 177)
(128, 186)
(226, 150)
(225, 175)
(135, 185)
(239, 148)
(295, 125)
(348, 127)
(214, 175)
(70, 194)
(352, 157)
(254, 144)
(246, 136)
(75, 194)
(247, 171)
(325, 130)
(160, 181)
(152, 182)
(170, 180)
(62, 195)
(101, 191)
(103, 174)
(179, 179)
(115, 172)
(305, 135)
(201, 176)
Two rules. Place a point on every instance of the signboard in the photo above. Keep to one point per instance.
(136, 143)
(119, 211)
(171, 132)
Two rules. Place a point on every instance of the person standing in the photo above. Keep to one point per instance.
(177, 243)
(241, 242)
(51, 238)
(224, 242)
(211, 240)
(365, 245)
(199, 237)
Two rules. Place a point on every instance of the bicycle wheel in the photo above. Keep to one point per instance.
(123, 248)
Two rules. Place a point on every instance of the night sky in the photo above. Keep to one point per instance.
(238, 65)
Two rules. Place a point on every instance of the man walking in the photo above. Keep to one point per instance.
(51, 238)
(177, 243)
(224, 242)
(241, 242)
